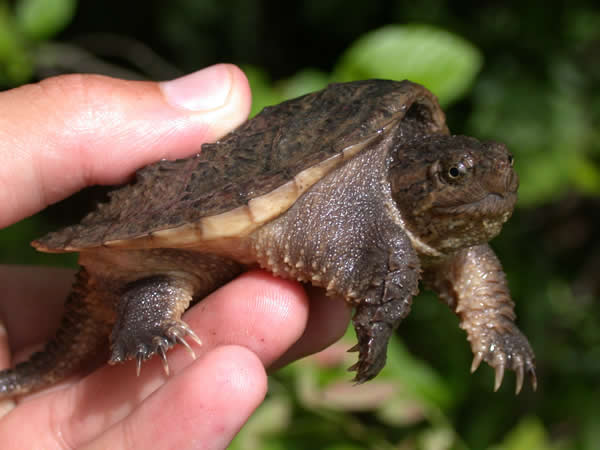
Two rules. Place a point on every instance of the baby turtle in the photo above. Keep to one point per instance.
(358, 188)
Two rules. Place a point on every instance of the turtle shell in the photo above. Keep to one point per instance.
(254, 173)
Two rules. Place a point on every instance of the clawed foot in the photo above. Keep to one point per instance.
(374, 324)
(506, 350)
(372, 349)
(148, 342)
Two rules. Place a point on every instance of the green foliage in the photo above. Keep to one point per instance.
(42, 19)
(436, 58)
(529, 434)
(15, 62)
(15, 241)
(406, 395)
(21, 30)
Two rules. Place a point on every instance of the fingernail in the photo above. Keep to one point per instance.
(203, 90)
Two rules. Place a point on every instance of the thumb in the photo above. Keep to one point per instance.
(68, 132)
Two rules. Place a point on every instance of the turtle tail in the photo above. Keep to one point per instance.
(83, 331)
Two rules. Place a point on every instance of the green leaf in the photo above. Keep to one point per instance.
(529, 434)
(443, 62)
(41, 19)
(438, 438)
(15, 63)
(261, 86)
(266, 93)
(14, 242)
(586, 176)
(303, 82)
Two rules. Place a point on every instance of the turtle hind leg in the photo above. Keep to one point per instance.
(83, 331)
(150, 304)
(149, 319)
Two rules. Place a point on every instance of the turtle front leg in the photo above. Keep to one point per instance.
(473, 284)
(374, 325)
(387, 300)
(149, 319)
(378, 273)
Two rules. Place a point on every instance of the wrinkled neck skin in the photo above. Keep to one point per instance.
(442, 212)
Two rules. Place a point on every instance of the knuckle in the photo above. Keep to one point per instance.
(77, 93)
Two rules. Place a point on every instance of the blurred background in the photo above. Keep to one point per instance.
(525, 73)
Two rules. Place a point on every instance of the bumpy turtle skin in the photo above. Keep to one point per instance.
(473, 284)
(374, 266)
(82, 334)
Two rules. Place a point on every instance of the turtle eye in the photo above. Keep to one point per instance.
(455, 172)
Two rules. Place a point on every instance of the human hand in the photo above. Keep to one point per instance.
(73, 131)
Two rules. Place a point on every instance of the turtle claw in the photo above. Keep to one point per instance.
(498, 377)
(179, 332)
(182, 329)
(502, 350)
(521, 370)
(183, 342)
(139, 358)
(519, 382)
(354, 367)
(156, 341)
(476, 361)
(374, 325)
(533, 378)
(163, 357)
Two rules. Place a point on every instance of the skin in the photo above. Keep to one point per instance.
(98, 131)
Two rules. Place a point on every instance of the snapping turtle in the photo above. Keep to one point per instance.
(358, 188)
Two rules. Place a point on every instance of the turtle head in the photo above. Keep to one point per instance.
(453, 191)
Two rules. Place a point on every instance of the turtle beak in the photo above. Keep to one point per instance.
(512, 182)
(503, 179)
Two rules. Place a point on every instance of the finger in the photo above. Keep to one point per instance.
(32, 302)
(184, 411)
(263, 313)
(72, 131)
(327, 322)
